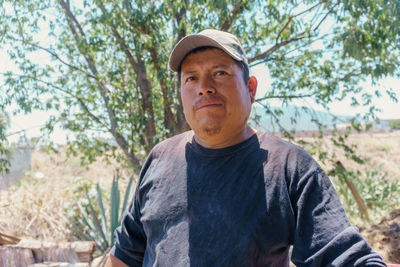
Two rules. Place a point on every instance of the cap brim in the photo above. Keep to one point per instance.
(189, 43)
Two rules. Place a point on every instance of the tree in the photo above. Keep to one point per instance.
(108, 72)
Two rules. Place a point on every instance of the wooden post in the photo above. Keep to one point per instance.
(360, 202)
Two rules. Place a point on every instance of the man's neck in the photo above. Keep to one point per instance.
(224, 141)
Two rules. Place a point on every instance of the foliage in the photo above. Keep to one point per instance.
(103, 64)
(4, 149)
(379, 193)
(89, 217)
(394, 124)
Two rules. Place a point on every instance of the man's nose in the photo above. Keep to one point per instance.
(205, 89)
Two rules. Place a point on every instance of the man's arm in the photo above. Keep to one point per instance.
(323, 234)
(114, 262)
(130, 238)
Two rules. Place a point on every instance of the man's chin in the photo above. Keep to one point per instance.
(211, 131)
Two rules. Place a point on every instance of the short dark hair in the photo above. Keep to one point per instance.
(241, 64)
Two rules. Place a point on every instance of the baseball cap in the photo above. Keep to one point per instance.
(214, 38)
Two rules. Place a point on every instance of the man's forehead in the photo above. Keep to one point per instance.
(212, 57)
(192, 68)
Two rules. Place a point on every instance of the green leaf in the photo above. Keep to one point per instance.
(127, 194)
(88, 222)
(95, 221)
(102, 211)
(114, 206)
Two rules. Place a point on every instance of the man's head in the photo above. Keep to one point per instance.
(216, 90)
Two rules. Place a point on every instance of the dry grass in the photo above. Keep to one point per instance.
(380, 150)
(34, 208)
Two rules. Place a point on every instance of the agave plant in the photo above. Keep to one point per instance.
(94, 224)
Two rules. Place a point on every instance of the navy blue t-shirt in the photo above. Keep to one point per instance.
(243, 205)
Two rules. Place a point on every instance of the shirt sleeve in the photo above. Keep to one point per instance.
(323, 234)
(130, 238)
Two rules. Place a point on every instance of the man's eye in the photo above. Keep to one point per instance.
(220, 73)
(189, 79)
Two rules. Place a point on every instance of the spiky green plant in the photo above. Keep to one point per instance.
(92, 223)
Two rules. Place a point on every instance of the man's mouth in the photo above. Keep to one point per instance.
(209, 102)
(208, 105)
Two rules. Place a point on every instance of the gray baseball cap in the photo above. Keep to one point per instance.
(219, 39)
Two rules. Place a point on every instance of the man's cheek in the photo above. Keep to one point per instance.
(187, 112)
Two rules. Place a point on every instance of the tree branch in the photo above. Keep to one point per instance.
(326, 15)
(147, 103)
(169, 115)
(297, 38)
(67, 9)
(72, 22)
(84, 106)
(121, 141)
(58, 58)
(283, 28)
(274, 48)
(79, 99)
(180, 32)
(228, 22)
(282, 57)
(134, 27)
(285, 97)
(294, 16)
(309, 9)
(276, 120)
(163, 84)
(179, 16)
(144, 85)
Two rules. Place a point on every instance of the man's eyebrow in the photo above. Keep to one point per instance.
(188, 72)
(220, 66)
(217, 66)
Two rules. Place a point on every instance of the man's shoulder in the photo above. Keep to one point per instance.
(174, 143)
(272, 142)
(278, 147)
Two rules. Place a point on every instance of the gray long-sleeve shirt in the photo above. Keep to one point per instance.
(242, 205)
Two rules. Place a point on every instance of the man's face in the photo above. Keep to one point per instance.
(216, 100)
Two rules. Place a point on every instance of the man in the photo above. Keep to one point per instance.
(224, 194)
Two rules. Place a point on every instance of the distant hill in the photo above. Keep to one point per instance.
(305, 119)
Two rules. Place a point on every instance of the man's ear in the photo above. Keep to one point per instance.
(252, 85)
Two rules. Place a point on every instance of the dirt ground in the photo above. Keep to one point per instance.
(385, 237)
